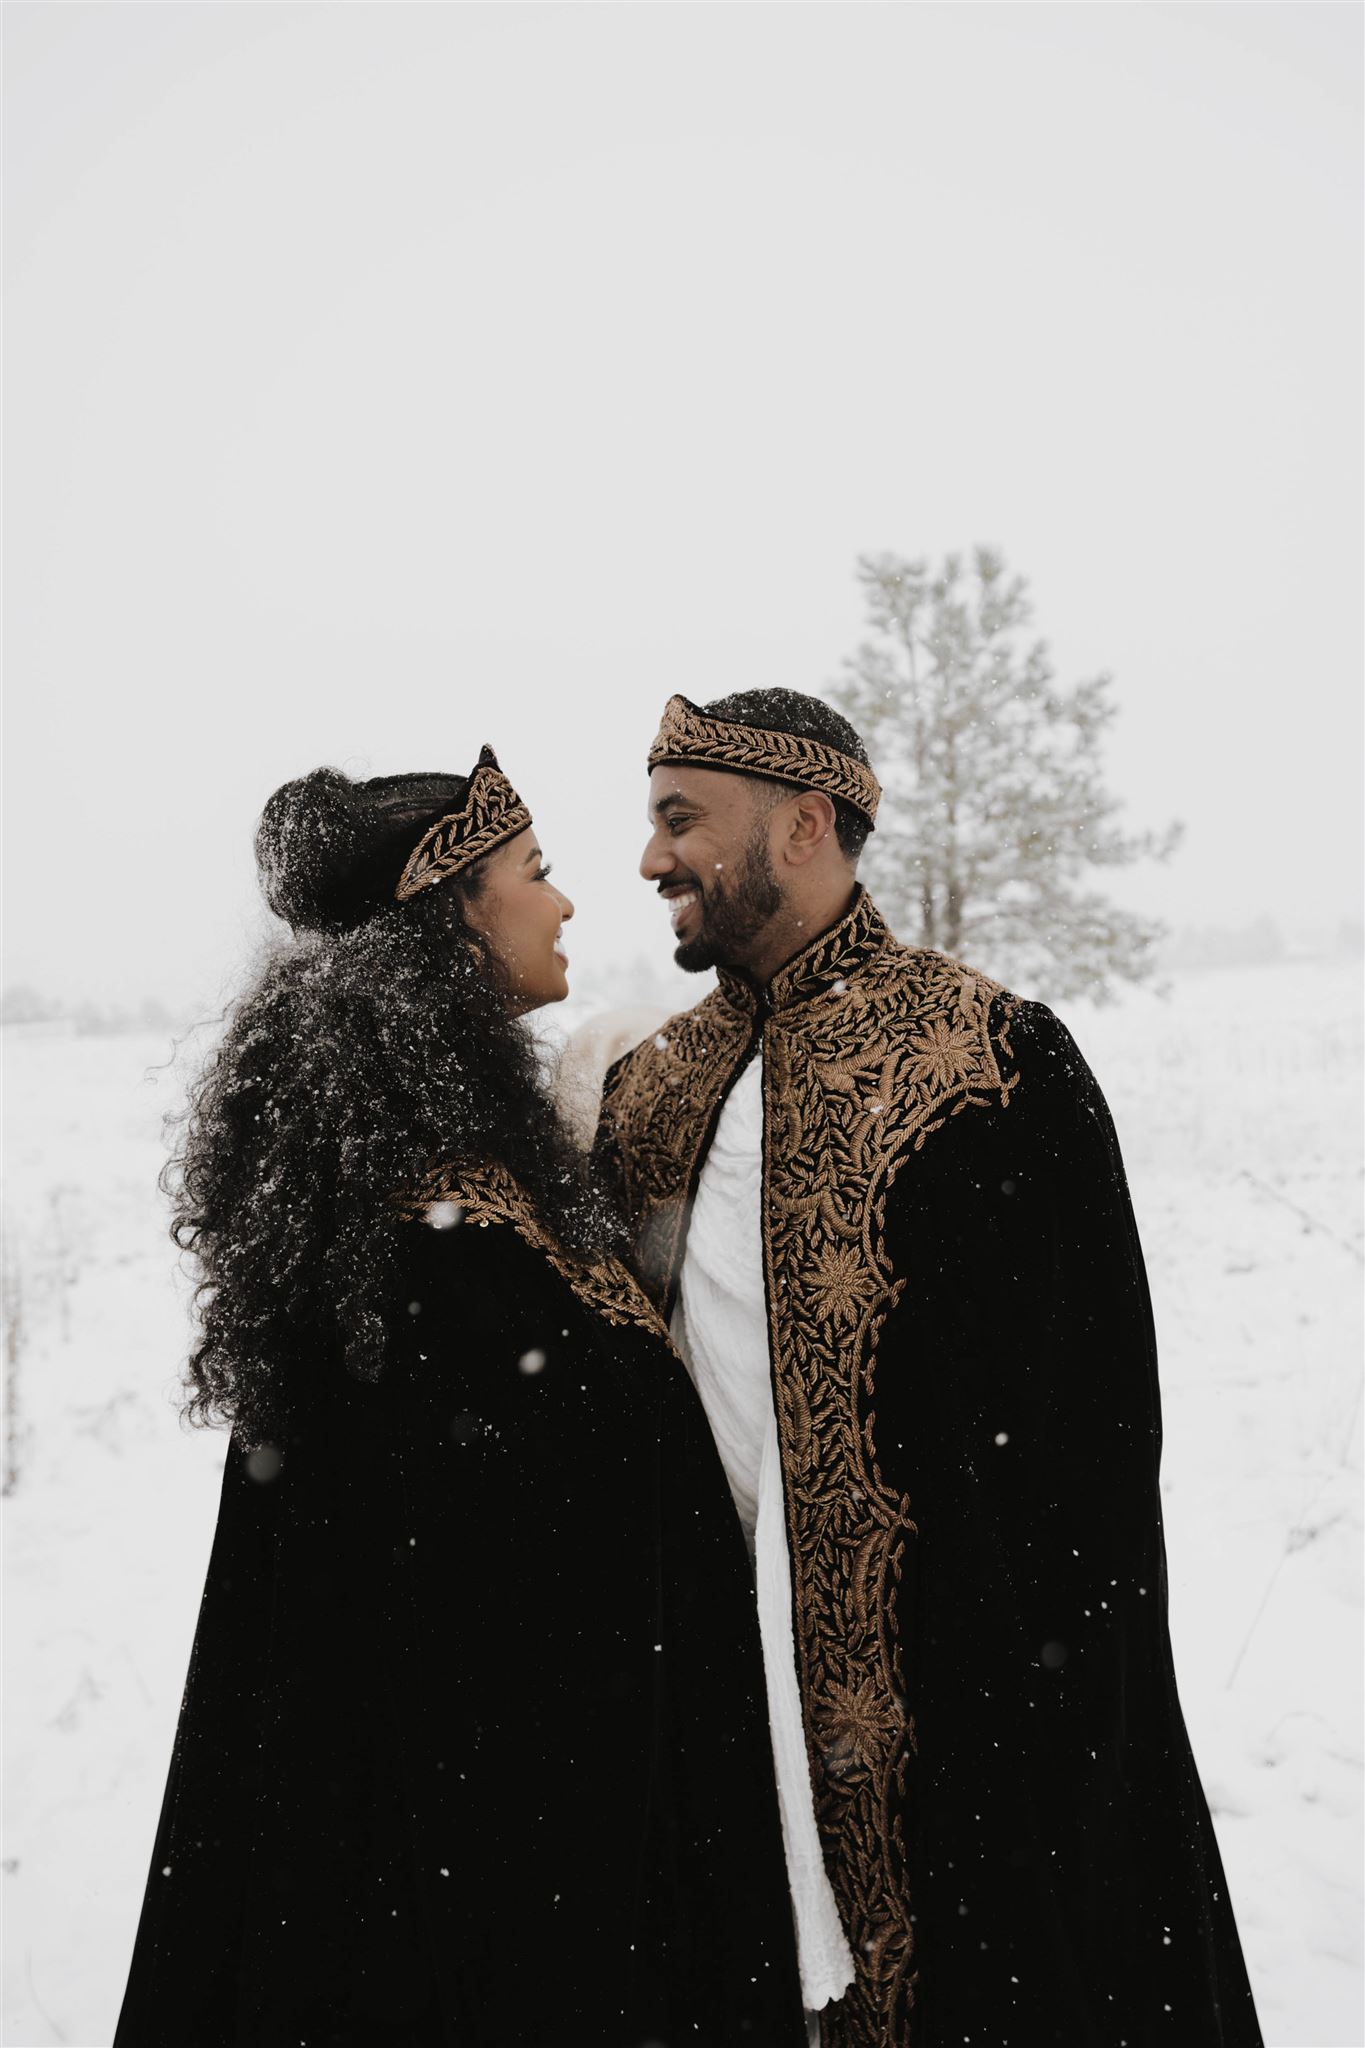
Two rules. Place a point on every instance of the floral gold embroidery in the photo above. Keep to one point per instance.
(854, 1724)
(839, 1283)
(870, 1048)
(944, 1055)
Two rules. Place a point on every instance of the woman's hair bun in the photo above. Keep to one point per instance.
(310, 844)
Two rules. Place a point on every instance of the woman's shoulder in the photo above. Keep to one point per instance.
(480, 1222)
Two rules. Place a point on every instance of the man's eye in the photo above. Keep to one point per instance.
(676, 825)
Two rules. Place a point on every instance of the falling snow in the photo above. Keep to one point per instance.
(1238, 1122)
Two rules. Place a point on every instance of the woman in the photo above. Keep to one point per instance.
(472, 1747)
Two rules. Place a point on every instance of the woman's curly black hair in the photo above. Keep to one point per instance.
(374, 1044)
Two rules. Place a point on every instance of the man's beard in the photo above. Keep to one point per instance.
(732, 918)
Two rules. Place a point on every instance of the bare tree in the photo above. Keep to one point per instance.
(995, 808)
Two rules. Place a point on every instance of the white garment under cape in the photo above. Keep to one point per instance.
(721, 1328)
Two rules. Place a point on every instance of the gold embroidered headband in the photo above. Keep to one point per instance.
(691, 734)
(492, 811)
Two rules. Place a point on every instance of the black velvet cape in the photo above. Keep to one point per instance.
(474, 1747)
(964, 1371)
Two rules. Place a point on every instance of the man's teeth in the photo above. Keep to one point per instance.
(678, 905)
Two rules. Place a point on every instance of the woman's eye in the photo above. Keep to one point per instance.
(543, 873)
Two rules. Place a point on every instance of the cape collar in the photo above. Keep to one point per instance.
(836, 955)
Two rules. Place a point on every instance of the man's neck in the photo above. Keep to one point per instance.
(794, 928)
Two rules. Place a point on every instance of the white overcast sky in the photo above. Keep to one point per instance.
(382, 379)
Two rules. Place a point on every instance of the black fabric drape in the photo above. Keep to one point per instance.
(473, 1746)
(1066, 1881)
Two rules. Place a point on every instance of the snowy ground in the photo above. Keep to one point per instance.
(1238, 1104)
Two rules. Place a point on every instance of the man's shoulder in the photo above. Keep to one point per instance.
(1049, 1075)
(1041, 1032)
(918, 981)
(951, 1016)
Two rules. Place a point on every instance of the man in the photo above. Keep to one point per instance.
(882, 1201)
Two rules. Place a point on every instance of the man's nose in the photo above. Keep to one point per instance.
(656, 861)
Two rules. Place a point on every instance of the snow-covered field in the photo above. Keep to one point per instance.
(1238, 1103)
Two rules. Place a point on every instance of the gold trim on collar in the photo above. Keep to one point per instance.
(824, 965)
(492, 812)
(690, 734)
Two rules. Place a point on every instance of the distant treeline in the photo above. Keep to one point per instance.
(1259, 943)
(25, 1006)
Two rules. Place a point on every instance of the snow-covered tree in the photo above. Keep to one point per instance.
(995, 810)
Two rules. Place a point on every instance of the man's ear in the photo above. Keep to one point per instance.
(807, 826)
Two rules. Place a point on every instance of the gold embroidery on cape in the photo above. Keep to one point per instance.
(492, 811)
(690, 734)
(875, 1048)
(654, 1104)
(491, 1194)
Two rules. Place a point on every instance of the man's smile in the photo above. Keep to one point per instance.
(680, 898)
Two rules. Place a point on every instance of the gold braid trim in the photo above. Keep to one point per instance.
(691, 734)
(491, 1194)
(492, 812)
(877, 1048)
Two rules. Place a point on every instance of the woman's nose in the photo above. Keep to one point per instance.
(565, 907)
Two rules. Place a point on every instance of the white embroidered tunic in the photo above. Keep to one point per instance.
(720, 1326)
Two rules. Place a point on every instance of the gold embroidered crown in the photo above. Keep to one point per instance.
(492, 811)
(690, 734)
